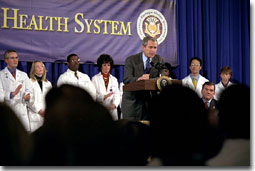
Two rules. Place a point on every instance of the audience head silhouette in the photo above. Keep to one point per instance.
(234, 111)
(15, 142)
(134, 143)
(178, 124)
(77, 130)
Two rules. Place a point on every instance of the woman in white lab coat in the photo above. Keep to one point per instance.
(40, 87)
(107, 86)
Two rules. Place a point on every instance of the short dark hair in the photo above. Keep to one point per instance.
(168, 66)
(195, 58)
(69, 56)
(104, 58)
(226, 69)
(209, 83)
(147, 38)
(7, 52)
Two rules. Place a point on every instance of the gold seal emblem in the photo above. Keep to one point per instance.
(152, 22)
(163, 81)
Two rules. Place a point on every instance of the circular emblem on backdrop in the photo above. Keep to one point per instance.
(151, 22)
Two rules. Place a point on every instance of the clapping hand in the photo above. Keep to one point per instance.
(27, 97)
(17, 90)
(108, 95)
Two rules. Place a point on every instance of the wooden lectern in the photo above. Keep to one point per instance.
(145, 85)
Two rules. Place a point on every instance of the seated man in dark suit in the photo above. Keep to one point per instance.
(138, 67)
(208, 92)
(211, 105)
(214, 139)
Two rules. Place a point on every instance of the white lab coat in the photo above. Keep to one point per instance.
(113, 86)
(219, 88)
(36, 103)
(187, 81)
(1, 92)
(121, 93)
(83, 81)
(17, 103)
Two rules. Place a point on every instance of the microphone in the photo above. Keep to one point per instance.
(158, 65)
(152, 64)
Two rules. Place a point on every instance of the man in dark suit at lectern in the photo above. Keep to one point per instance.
(138, 67)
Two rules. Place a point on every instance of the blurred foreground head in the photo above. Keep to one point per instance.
(15, 142)
(69, 107)
(234, 111)
(77, 130)
(178, 124)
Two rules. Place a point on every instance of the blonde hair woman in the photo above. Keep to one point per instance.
(40, 86)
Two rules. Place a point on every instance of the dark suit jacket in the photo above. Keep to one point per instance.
(134, 104)
(213, 104)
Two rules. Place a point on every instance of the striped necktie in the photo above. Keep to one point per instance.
(148, 66)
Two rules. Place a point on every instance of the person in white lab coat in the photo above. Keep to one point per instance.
(1, 92)
(107, 85)
(40, 87)
(16, 86)
(76, 78)
(225, 75)
(121, 93)
(194, 80)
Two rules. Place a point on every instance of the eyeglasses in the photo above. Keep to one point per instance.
(12, 58)
(75, 60)
(195, 65)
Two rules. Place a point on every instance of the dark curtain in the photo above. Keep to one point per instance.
(217, 31)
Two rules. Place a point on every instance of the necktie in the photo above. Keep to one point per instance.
(195, 82)
(13, 74)
(148, 66)
(76, 75)
(206, 105)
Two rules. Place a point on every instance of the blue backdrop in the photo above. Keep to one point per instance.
(216, 31)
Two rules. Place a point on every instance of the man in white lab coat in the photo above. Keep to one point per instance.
(76, 78)
(194, 80)
(1, 92)
(16, 87)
